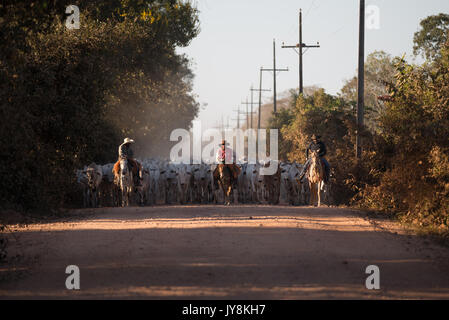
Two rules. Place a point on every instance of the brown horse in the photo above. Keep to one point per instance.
(316, 178)
(225, 181)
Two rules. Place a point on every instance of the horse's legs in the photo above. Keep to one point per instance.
(311, 194)
(226, 196)
(319, 193)
(315, 195)
(85, 204)
(94, 198)
(125, 196)
(229, 195)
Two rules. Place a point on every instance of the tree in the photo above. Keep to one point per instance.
(415, 126)
(433, 34)
(379, 71)
(68, 97)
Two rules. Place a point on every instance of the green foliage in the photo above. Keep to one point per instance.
(430, 38)
(415, 125)
(330, 117)
(279, 120)
(405, 162)
(68, 97)
(379, 71)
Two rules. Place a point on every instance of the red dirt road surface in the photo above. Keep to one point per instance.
(217, 252)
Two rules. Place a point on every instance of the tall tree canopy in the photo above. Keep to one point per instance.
(69, 97)
(379, 71)
(433, 34)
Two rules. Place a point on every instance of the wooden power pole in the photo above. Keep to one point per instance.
(252, 103)
(300, 46)
(361, 81)
(274, 70)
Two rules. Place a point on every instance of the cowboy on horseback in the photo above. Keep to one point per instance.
(226, 157)
(126, 153)
(318, 146)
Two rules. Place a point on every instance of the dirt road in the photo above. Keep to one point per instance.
(216, 252)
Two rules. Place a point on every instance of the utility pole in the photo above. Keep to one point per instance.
(361, 81)
(247, 115)
(260, 101)
(222, 126)
(238, 120)
(250, 114)
(274, 70)
(238, 117)
(300, 52)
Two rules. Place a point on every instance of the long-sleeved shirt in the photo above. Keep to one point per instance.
(224, 155)
(319, 146)
(125, 151)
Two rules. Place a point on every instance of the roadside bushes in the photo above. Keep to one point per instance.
(330, 117)
(415, 125)
(69, 97)
(404, 170)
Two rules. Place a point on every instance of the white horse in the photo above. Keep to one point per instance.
(316, 179)
(126, 182)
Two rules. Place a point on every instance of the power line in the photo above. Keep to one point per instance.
(310, 8)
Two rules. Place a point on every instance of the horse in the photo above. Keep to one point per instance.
(316, 178)
(125, 182)
(225, 182)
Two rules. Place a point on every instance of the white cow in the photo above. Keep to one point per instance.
(94, 175)
(244, 184)
(293, 183)
(285, 168)
(155, 181)
(172, 187)
(144, 189)
(255, 182)
(81, 179)
(185, 177)
(202, 180)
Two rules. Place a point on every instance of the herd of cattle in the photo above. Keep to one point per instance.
(163, 182)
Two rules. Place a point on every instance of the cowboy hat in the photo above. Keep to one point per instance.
(224, 143)
(128, 140)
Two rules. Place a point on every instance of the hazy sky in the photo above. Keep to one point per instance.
(236, 39)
